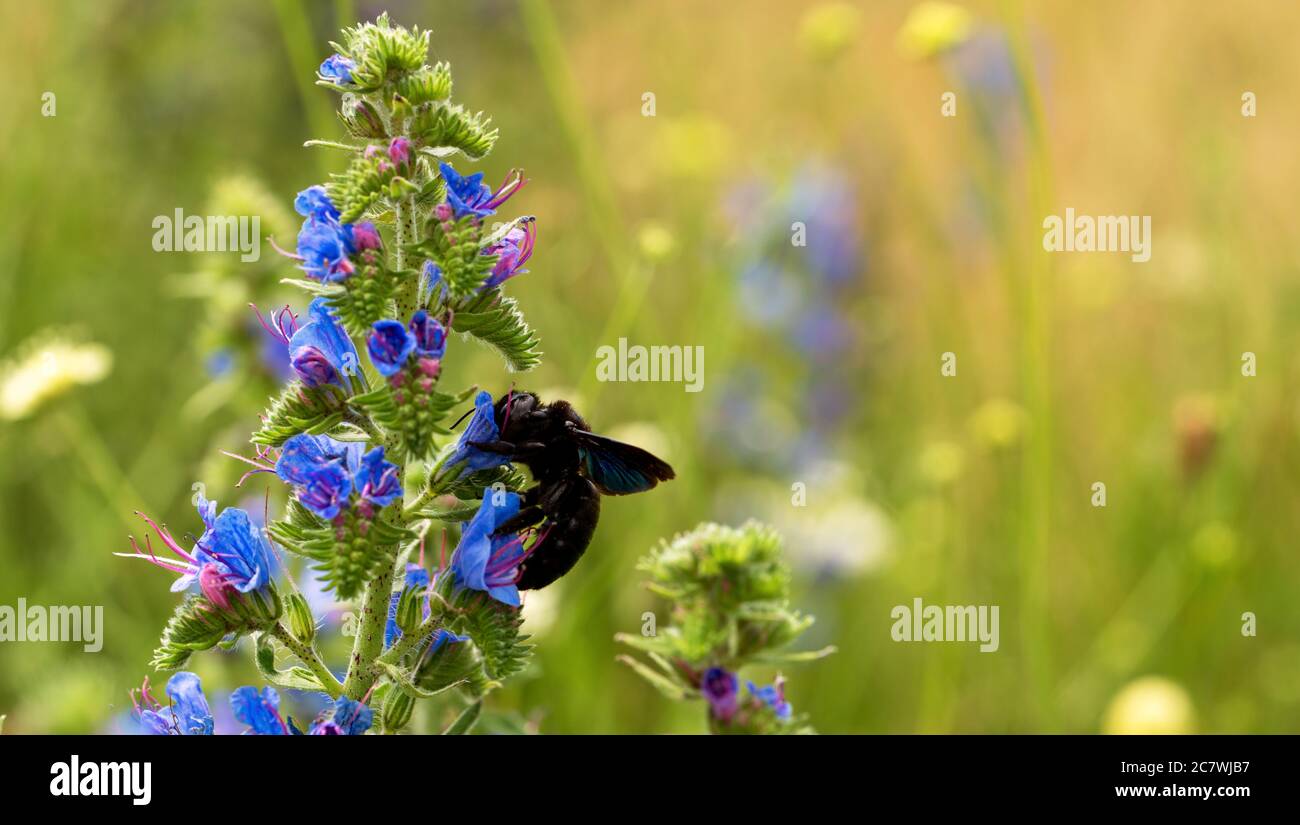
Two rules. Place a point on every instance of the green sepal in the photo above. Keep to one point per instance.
(381, 52)
(415, 421)
(301, 409)
(456, 246)
(494, 628)
(346, 554)
(443, 127)
(198, 624)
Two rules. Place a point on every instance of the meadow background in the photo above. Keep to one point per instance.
(822, 363)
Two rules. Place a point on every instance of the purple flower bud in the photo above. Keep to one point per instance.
(722, 690)
(400, 151)
(365, 236)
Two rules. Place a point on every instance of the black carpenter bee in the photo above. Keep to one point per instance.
(571, 466)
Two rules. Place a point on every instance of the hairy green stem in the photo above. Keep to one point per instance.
(308, 655)
(370, 635)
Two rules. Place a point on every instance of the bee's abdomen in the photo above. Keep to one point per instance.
(572, 507)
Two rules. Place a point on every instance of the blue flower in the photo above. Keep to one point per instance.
(389, 345)
(260, 711)
(321, 351)
(191, 716)
(430, 336)
(321, 469)
(468, 195)
(512, 252)
(232, 557)
(347, 718)
(337, 68)
(313, 203)
(484, 561)
(324, 249)
(722, 690)
(431, 281)
(417, 577)
(326, 472)
(482, 427)
(324, 244)
(774, 697)
(378, 481)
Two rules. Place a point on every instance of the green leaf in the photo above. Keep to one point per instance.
(297, 678)
(461, 725)
(495, 319)
(666, 686)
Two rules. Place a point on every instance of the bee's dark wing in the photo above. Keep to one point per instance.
(618, 469)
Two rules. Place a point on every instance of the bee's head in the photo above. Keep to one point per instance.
(513, 409)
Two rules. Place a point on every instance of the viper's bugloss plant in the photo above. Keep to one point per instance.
(729, 594)
(395, 253)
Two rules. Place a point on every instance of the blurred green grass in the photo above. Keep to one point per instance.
(1135, 364)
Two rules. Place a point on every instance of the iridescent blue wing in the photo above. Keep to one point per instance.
(618, 469)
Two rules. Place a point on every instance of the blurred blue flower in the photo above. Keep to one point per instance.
(774, 697)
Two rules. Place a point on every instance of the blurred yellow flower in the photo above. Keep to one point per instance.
(1215, 545)
(656, 241)
(997, 423)
(1150, 705)
(695, 146)
(932, 28)
(942, 462)
(45, 367)
(828, 29)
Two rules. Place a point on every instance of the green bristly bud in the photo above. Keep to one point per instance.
(301, 622)
(397, 710)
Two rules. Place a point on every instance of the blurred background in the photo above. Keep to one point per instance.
(669, 220)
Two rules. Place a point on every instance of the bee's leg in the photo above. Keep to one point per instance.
(508, 448)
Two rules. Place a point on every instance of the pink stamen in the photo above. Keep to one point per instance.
(277, 248)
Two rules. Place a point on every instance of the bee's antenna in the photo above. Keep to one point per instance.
(462, 418)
